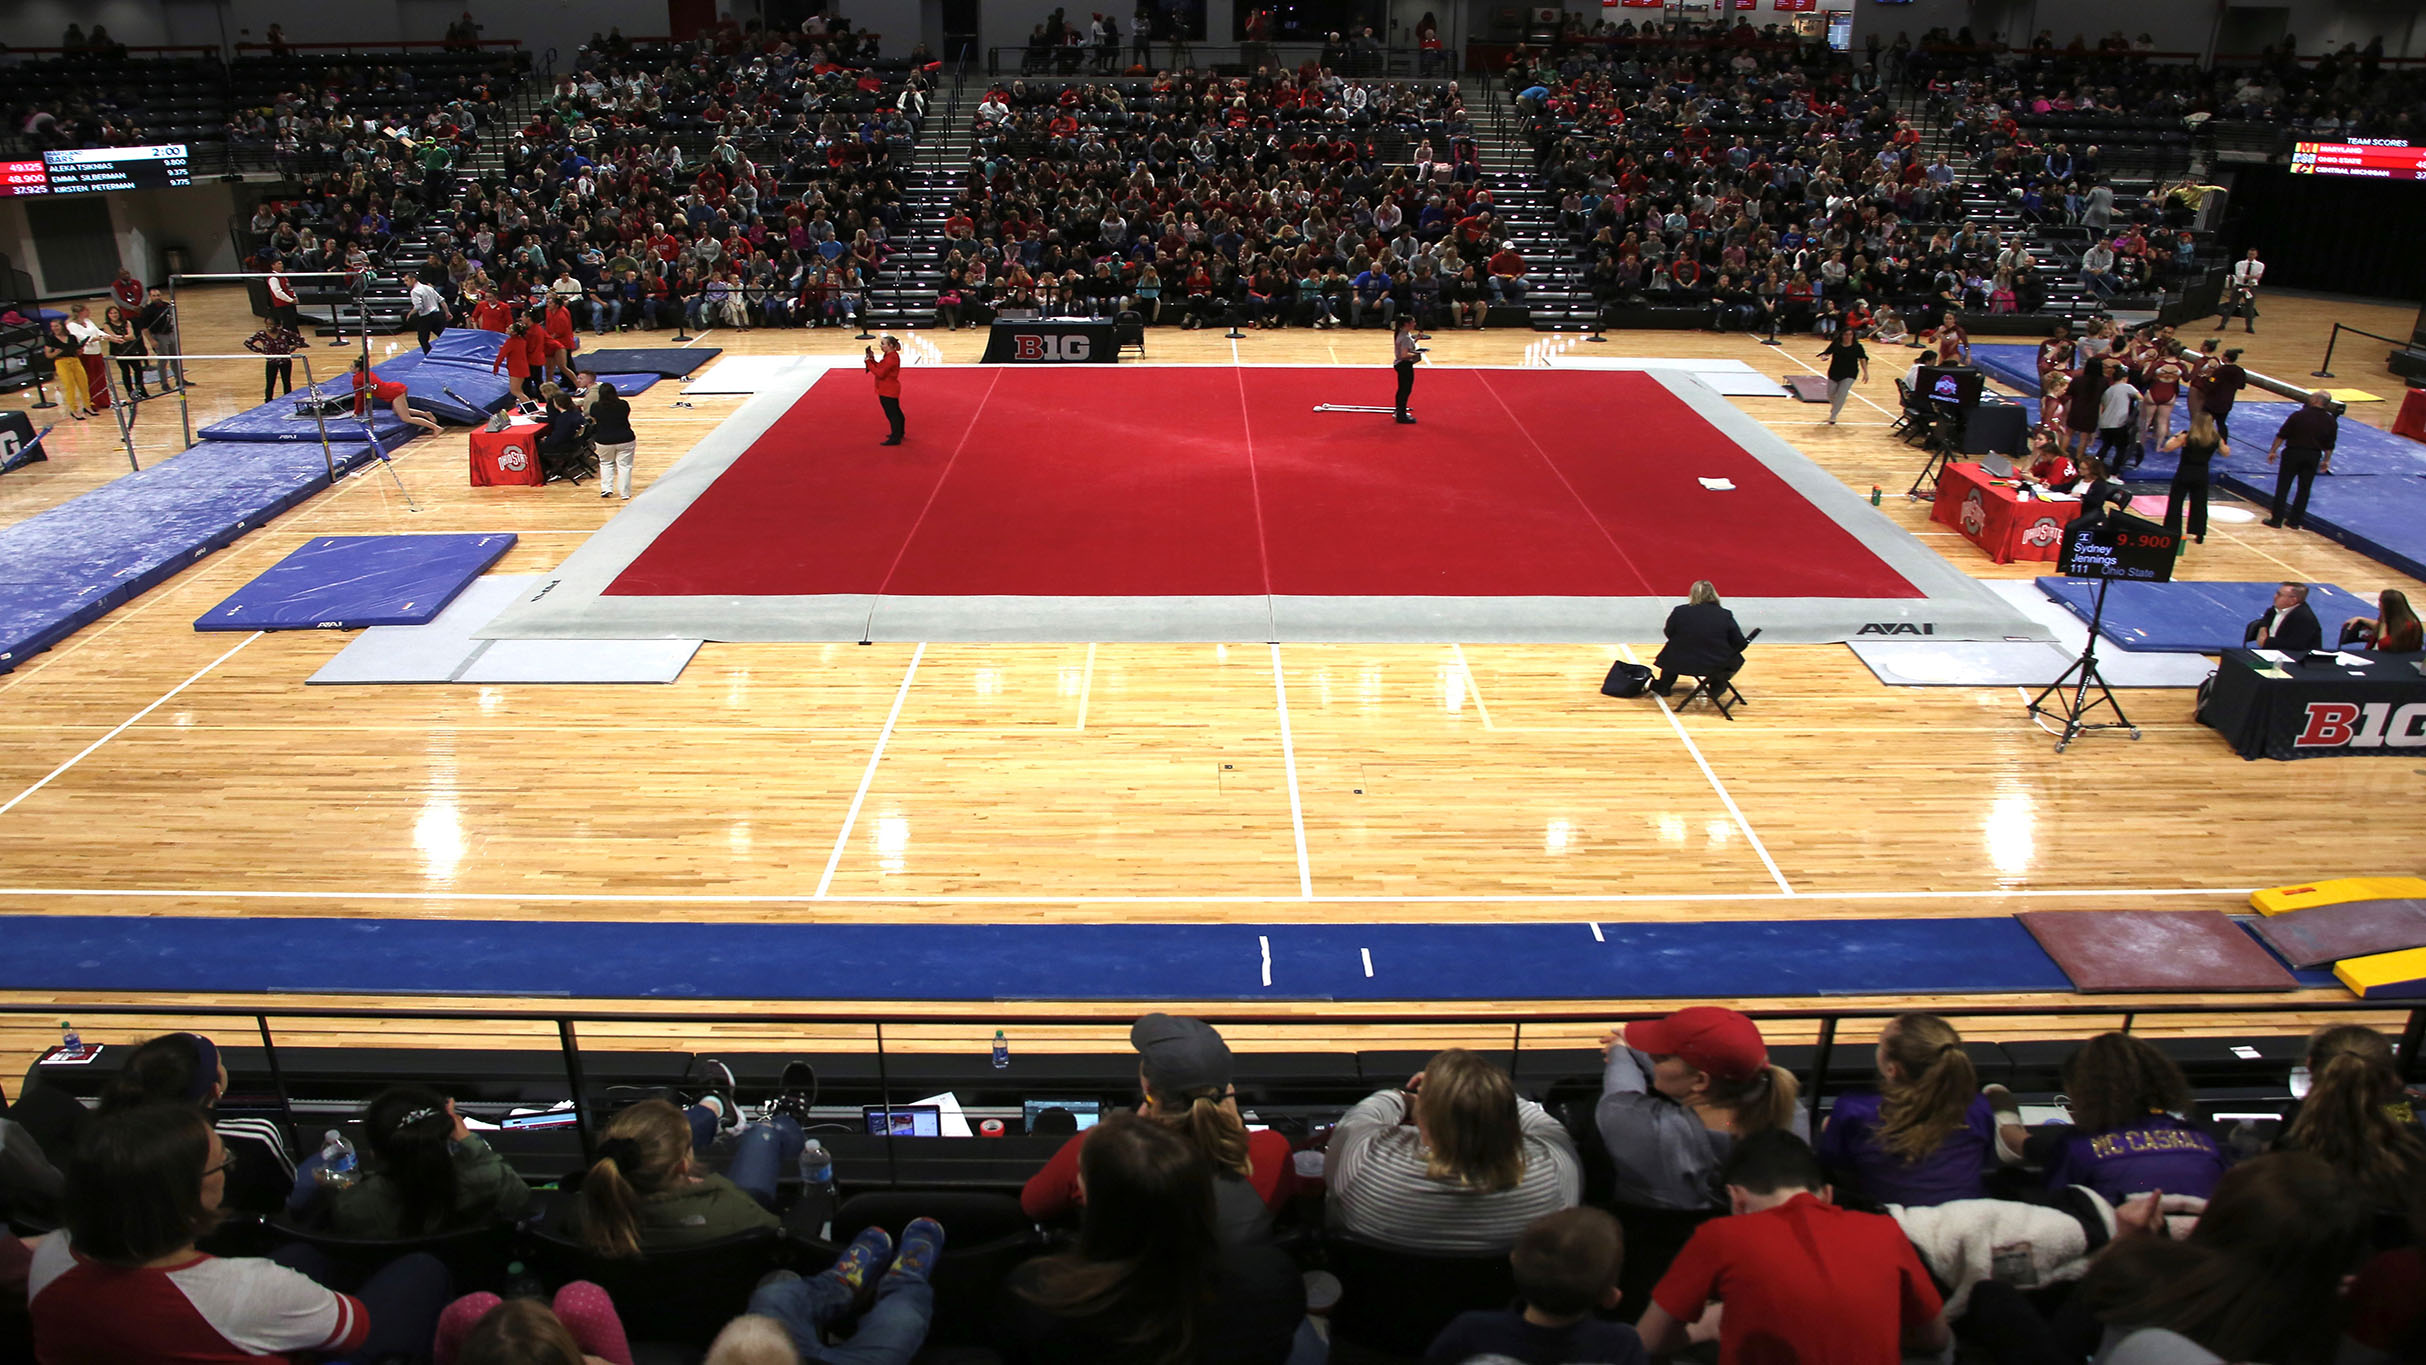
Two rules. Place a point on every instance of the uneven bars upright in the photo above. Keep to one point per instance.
(319, 419)
(336, 323)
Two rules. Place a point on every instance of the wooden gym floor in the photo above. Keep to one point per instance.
(151, 770)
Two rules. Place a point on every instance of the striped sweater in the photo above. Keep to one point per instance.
(1380, 1193)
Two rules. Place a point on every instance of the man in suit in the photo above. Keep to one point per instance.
(2288, 625)
(1703, 640)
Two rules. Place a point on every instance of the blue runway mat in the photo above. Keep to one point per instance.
(62, 569)
(1711, 959)
(670, 362)
(347, 582)
(2381, 516)
(277, 421)
(2193, 618)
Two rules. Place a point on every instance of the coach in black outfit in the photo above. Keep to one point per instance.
(2305, 444)
(1703, 640)
(2288, 625)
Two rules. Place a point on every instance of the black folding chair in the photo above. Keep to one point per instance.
(1719, 688)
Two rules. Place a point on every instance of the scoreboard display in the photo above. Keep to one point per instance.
(96, 169)
(2372, 160)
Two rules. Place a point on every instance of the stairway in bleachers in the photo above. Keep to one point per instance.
(1527, 212)
(913, 275)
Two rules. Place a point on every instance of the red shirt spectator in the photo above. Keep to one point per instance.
(493, 315)
(1838, 1287)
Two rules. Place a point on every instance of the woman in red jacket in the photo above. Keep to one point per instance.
(887, 372)
(524, 353)
(562, 339)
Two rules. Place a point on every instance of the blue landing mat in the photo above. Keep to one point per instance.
(2015, 367)
(671, 362)
(627, 385)
(277, 421)
(64, 568)
(463, 348)
(2192, 618)
(594, 959)
(347, 582)
(463, 397)
(2381, 516)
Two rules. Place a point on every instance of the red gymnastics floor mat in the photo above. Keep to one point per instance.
(1224, 481)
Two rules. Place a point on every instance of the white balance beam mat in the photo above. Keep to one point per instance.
(444, 650)
(745, 374)
(1731, 377)
(2022, 663)
(431, 653)
(580, 661)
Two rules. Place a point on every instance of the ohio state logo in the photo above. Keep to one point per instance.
(1975, 514)
(2375, 725)
(2044, 531)
(514, 458)
(1052, 348)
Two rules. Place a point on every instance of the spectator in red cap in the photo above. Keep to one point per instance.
(1677, 1095)
(1184, 1068)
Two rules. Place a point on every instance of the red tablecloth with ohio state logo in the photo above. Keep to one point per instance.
(508, 456)
(1991, 515)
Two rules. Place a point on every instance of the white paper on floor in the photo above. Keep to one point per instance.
(751, 373)
(1731, 377)
(443, 651)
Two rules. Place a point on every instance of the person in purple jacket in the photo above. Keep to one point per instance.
(1926, 1135)
(2127, 1135)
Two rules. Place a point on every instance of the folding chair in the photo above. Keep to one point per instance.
(1719, 688)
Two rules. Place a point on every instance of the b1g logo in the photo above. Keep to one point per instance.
(1053, 348)
(2375, 725)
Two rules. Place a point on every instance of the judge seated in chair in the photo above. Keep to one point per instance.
(2288, 625)
(1703, 640)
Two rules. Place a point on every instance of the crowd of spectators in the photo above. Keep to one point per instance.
(1282, 198)
(747, 179)
(2130, 1227)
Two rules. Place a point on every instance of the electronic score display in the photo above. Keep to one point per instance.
(95, 170)
(2371, 160)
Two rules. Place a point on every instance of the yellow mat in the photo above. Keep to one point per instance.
(2281, 900)
(2380, 975)
(2355, 396)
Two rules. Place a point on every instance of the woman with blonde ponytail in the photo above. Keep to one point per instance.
(1677, 1094)
(1184, 1069)
(645, 1193)
(1926, 1135)
(2359, 1117)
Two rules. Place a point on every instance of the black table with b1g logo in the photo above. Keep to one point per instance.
(1051, 341)
(2300, 710)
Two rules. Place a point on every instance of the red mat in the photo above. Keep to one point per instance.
(1223, 481)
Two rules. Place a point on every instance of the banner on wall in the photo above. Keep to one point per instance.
(1797, 6)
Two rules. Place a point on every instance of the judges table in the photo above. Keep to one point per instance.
(1996, 426)
(508, 456)
(1993, 516)
(2302, 710)
(1051, 341)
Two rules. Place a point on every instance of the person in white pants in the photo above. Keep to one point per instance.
(611, 432)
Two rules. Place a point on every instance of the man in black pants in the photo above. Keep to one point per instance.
(2305, 446)
(429, 310)
(1404, 354)
(886, 371)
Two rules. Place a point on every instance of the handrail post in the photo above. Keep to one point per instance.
(269, 1053)
(2325, 370)
(573, 1077)
(884, 1096)
(1819, 1066)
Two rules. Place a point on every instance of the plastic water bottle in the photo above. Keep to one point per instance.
(337, 1165)
(816, 1166)
(1876, 493)
(1002, 1051)
(71, 1040)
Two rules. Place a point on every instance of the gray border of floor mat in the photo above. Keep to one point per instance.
(570, 603)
